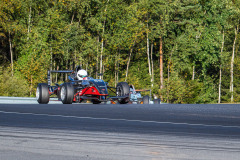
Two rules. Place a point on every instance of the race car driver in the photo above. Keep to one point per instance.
(82, 74)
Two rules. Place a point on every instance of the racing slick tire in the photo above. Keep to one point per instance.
(42, 93)
(123, 89)
(146, 99)
(67, 93)
(156, 101)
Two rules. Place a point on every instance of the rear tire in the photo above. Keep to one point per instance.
(146, 99)
(156, 101)
(42, 93)
(67, 93)
(123, 89)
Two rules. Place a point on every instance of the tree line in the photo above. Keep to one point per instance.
(185, 51)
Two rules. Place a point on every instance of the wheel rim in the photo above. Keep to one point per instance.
(118, 93)
(37, 93)
(63, 93)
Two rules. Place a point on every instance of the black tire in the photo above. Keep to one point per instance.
(156, 101)
(67, 93)
(123, 89)
(146, 99)
(42, 93)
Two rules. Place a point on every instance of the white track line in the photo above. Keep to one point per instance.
(127, 120)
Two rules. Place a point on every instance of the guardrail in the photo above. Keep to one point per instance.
(23, 100)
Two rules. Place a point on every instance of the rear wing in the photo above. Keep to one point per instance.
(56, 71)
(142, 90)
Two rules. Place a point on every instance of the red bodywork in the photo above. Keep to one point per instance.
(90, 92)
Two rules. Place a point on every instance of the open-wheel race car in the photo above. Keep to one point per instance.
(81, 88)
(136, 97)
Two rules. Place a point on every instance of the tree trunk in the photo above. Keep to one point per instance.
(97, 58)
(232, 63)
(115, 71)
(11, 52)
(79, 20)
(87, 65)
(75, 56)
(169, 63)
(103, 71)
(61, 74)
(161, 63)
(54, 68)
(193, 72)
(149, 64)
(102, 40)
(129, 58)
(118, 66)
(66, 78)
(72, 17)
(67, 60)
(220, 73)
(31, 86)
(51, 65)
(101, 57)
(29, 21)
(57, 74)
(128, 63)
(152, 80)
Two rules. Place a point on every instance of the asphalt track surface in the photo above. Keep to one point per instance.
(87, 131)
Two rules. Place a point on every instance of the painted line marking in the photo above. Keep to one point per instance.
(127, 120)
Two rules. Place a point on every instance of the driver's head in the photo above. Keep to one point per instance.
(81, 74)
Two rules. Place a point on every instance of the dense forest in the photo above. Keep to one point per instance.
(186, 51)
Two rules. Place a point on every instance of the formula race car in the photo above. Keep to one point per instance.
(136, 97)
(77, 91)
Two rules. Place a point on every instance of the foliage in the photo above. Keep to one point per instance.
(13, 86)
(178, 90)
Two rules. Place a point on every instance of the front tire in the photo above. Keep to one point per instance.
(67, 93)
(42, 93)
(123, 89)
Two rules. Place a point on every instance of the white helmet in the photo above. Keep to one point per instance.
(81, 74)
